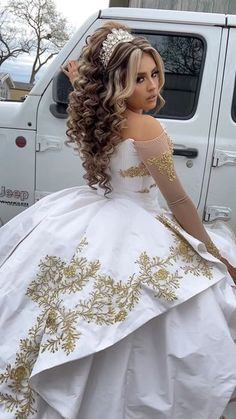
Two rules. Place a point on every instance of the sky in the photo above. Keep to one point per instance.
(76, 13)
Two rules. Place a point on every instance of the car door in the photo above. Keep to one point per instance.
(221, 197)
(17, 156)
(17, 171)
(58, 166)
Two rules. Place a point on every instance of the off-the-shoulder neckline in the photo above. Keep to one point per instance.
(143, 141)
(127, 139)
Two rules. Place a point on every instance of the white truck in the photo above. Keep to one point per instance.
(199, 51)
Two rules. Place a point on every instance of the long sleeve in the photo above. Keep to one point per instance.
(157, 156)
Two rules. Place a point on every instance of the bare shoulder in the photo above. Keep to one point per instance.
(143, 127)
(151, 127)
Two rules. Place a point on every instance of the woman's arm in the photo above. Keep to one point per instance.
(157, 157)
(71, 70)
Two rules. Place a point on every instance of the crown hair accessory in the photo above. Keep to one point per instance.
(114, 38)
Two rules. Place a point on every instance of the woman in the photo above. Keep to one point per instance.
(113, 307)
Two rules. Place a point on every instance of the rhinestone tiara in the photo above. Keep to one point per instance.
(114, 38)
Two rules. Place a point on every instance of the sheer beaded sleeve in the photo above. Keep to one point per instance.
(157, 156)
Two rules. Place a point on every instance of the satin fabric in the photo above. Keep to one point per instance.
(110, 310)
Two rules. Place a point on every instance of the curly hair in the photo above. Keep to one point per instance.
(97, 104)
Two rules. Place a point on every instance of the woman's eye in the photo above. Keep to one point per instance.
(139, 79)
(155, 74)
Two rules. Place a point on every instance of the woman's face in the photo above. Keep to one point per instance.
(145, 94)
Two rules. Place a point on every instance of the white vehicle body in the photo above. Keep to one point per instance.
(45, 164)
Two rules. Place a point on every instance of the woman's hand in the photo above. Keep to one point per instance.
(71, 70)
(231, 269)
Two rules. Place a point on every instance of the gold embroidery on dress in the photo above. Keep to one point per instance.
(194, 263)
(144, 190)
(147, 190)
(171, 145)
(109, 301)
(211, 248)
(197, 265)
(135, 171)
(173, 225)
(164, 164)
(21, 400)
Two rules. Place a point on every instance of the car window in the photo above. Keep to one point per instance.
(183, 57)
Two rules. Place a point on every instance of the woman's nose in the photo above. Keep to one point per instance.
(151, 84)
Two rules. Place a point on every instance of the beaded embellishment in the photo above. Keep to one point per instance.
(211, 248)
(164, 164)
(114, 38)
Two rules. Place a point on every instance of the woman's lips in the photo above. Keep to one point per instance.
(152, 98)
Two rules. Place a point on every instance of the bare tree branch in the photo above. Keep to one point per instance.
(12, 43)
(45, 31)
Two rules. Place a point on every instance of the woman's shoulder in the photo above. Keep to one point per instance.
(143, 127)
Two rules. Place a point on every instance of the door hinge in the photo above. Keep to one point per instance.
(43, 142)
(222, 157)
(40, 194)
(215, 213)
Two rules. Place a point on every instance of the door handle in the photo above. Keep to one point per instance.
(186, 152)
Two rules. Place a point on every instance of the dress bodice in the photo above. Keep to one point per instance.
(130, 178)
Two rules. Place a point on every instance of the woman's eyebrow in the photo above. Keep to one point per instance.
(142, 74)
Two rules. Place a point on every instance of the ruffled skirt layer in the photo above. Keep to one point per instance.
(111, 311)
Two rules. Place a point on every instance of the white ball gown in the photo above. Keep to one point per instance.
(109, 310)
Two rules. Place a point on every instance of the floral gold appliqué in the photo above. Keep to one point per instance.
(164, 164)
(194, 263)
(211, 248)
(108, 301)
(135, 171)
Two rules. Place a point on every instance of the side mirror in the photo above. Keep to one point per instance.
(61, 88)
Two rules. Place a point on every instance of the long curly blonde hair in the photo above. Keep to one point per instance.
(97, 104)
